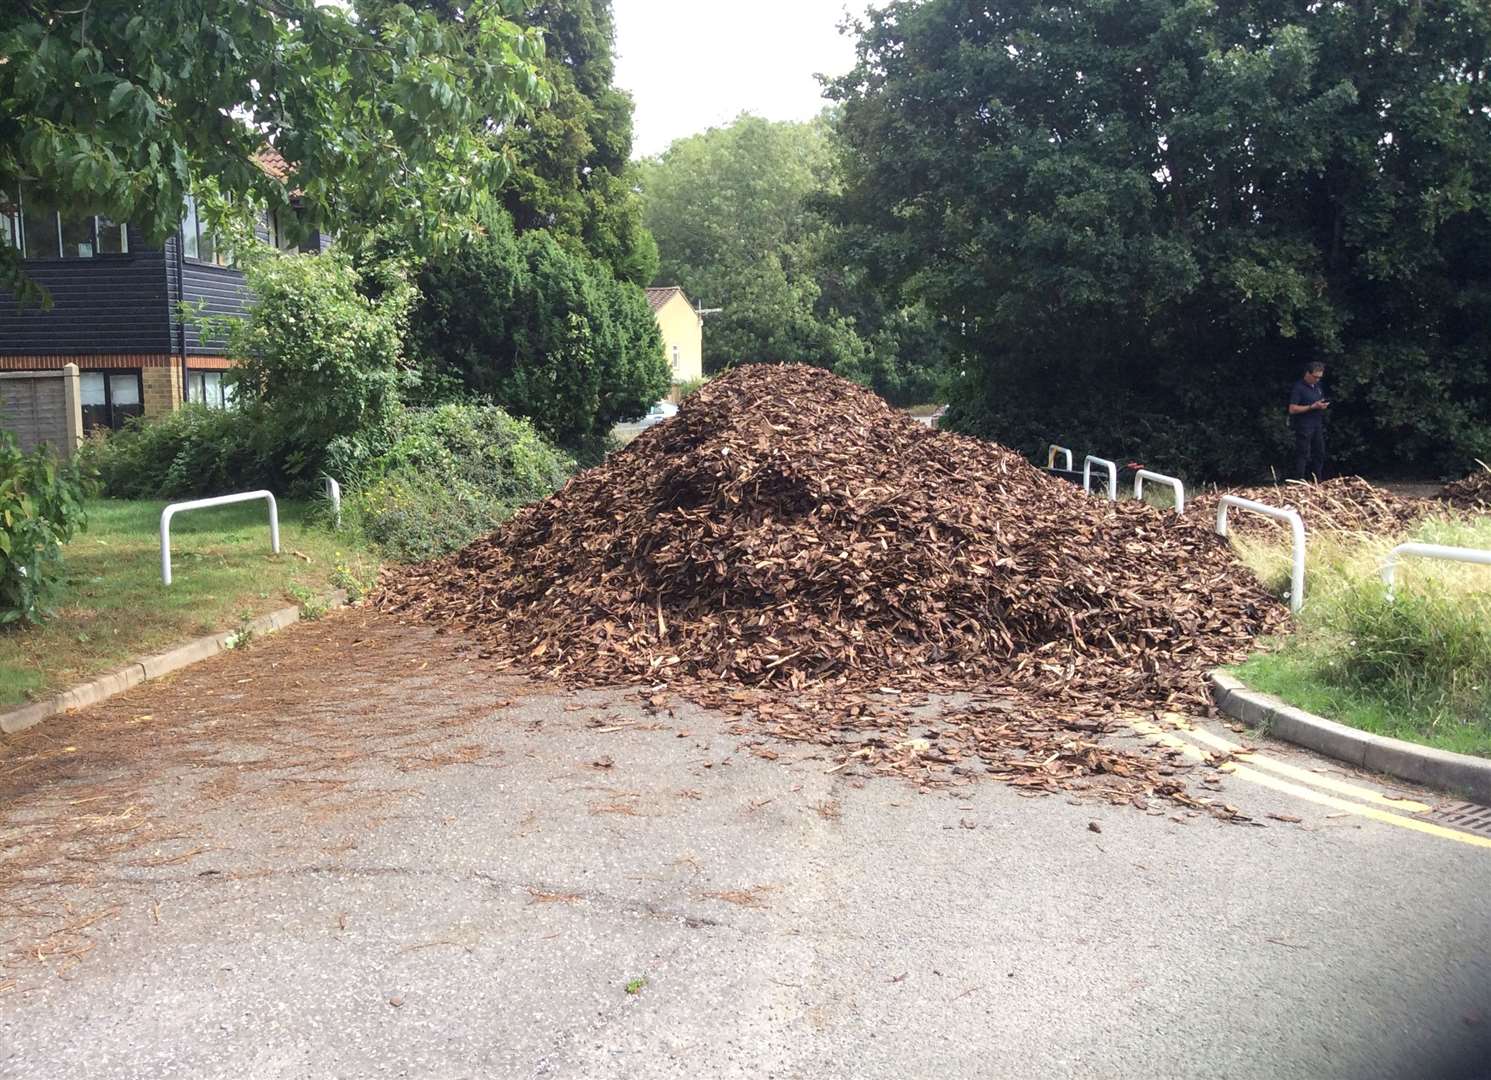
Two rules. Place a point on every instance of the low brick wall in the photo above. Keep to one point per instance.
(161, 389)
(160, 373)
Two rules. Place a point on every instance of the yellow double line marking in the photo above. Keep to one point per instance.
(1283, 777)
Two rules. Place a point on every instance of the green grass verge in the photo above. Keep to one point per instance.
(1415, 668)
(112, 605)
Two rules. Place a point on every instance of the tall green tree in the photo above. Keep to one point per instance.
(736, 212)
(733, 212)
(389, 116)
(573, 175)
(729, 211)
(545, 333)
(1144, 217)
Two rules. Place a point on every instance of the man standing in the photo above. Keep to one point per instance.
(1307, 407)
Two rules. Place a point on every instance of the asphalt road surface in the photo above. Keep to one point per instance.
(352, 851)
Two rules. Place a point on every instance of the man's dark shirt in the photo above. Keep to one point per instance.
(1304, 394)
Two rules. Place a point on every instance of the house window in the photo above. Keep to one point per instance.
(198, 242)
(77, 236)
(675, 359)
(189, 229)
(39, 236)
(281, 230)
(109, 398)
(113, 237)
(45, 234)
(208, 388)
(10, 220)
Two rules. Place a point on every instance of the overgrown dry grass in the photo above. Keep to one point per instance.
(1418, 667)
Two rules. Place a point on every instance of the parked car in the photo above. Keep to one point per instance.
(657, 414)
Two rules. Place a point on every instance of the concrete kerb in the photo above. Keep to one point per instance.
(1461, 774)
(148, 667)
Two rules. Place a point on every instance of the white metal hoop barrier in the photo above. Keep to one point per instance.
(1052, 451)
(1296, 526)
(1160, 478)
(202, 504)
(334, 496)
(1429, 551)
(1112, 475)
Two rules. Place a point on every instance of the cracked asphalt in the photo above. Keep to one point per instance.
(354, 851)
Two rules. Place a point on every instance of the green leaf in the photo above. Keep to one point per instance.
(327, 79)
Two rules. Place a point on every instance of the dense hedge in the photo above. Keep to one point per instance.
(543, 333)
(430, 480)
(192, 451)
(1144, 218)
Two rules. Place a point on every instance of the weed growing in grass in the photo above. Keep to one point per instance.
(244, 632)
(312, 606)
(346, 579)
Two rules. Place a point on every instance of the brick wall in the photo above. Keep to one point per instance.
(160, 372)
(161, 389)
(86, 361)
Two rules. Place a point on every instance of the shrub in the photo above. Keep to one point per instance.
(412, 519)
(317, 359)
(193, 451)
(478, 443)
(683, 389)
(41, 506)
(431, 480)
(542, 332)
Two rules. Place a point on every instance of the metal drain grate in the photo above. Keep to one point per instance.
(1465, 816)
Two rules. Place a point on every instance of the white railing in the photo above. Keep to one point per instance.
(1429, 551)
(1052, 451)
(1296, 526)
(202, 504)
(1160, 478)
(1112, 475)
(334, 496)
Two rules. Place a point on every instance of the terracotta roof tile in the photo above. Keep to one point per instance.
(272, 162)
(657, 297)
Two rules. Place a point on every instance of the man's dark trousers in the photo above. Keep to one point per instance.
(1309, 452)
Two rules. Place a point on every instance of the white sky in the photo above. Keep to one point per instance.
(695, 64)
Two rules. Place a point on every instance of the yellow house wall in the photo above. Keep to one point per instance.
(682, 328)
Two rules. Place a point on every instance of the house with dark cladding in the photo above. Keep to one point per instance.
(117, 305)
